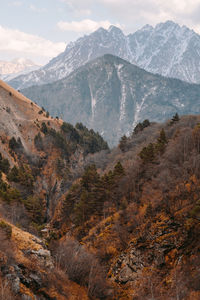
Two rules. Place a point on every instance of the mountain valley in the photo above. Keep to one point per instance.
(99, 155)
(80, 221)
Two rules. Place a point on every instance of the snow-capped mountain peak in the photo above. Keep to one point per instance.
(167, 49)
(16, 67)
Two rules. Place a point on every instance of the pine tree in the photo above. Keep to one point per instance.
(161, 142)
(148, 153)
(123, 143)
(118, 169)
(174, 119)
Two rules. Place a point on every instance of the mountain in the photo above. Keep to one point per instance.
(138, 209)
(30, 139)
(39, 158)
(16, 67)
(80, 223)
(111, 96)
(167, 49)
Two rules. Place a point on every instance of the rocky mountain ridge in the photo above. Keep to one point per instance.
(111, 96)
(167, 49)
(16, 67)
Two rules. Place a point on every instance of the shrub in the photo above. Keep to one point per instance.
(140, 126)
(195, 212)
(6, 228)
(44, 128)
(35, 209)
(82, 267)
(38, 142)
(21, 175)
(4, 164)
(15, 144)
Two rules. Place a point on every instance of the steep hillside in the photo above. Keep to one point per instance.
(39, 156)
(119, 224)
(111, 96)
(138, 210)
(168, 49)
(28, 270)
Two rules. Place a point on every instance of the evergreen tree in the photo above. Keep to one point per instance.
(148, 153)
(161, 142)
(174, 119)
(118, 169)
(44, 128)
(123, 143)
(140, 126)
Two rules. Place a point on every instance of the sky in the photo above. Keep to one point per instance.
(40, 29)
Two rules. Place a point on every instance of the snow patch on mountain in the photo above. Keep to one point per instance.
(167, 49)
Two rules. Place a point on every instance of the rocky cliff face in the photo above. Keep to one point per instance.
(167, 49)
(28, 271)
(111, 96)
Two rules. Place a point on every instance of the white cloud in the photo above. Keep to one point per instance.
(23, 44)
(154, 11)
(84, 26)
(134, 13)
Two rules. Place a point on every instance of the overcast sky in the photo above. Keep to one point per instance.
(40, 29)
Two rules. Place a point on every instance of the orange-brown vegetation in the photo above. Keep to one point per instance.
(146, 232)
(120, 224)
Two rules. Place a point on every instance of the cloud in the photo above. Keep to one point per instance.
(84, 26)
(16, 3)
(36, 9)
(79, 8)
(23, 44)
(82, 12)
(134, 13)
(154, 11)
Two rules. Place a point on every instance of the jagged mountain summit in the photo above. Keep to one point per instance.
(111, 96)
(16, 67)
(167, 49)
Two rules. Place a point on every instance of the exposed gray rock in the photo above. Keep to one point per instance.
(168, 49)
(26, 297)
(126, 274)
(111, 96)
(44, 256)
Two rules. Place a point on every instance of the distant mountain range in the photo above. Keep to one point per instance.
(16, 67)
(167, 49)
(111, 96)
